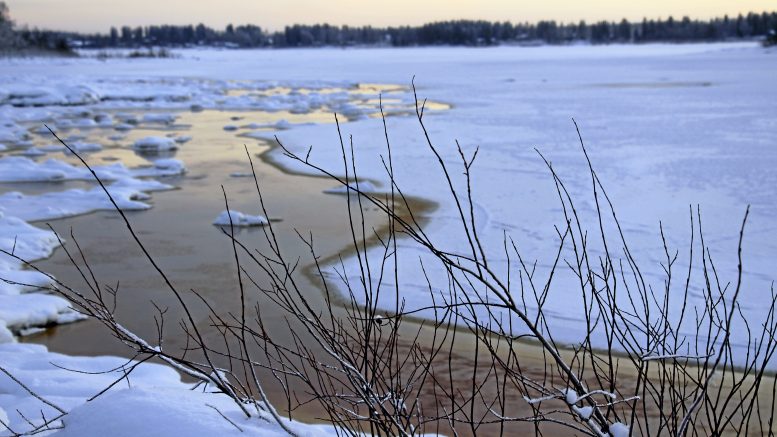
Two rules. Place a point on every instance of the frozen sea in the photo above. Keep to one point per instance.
(667, 127)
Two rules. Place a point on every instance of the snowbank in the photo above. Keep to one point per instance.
(33, 152)
(80, 147)
(365, 187)
(19, 311)
(163, 118)
(11, 132)
(160, 168)
(156, 402)
(24, 240)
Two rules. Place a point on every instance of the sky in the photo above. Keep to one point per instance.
(100, 15)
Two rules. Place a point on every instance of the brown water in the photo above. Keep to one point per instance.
(179, 234)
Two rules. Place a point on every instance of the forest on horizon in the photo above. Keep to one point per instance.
(458, 33)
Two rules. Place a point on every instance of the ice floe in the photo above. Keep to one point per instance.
(155, 144)
(20, 241)
(163, 118)
(33, 152)
(366, 187)
(21, 169)
(128, 194)
(239, 219)
(50, 95)
(81, 147)
(11, 132)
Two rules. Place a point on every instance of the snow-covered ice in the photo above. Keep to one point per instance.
(619, 429)
(237, 218)
(155, 144)
(366, 187)
(160, 404)
(48, 95)
(666, 126)
(21, 169)
(81, 147)
(23, 240)
(163, 118)
(19, 310)
(33, 152)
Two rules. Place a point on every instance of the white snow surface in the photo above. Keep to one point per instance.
(155, 144)
(21, 169)
(160, 404)
(19, 310)
(23, 240)
(34, 151)
(81, 147)
(128, 194)
(619, 429)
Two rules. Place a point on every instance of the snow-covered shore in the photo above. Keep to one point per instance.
(151, 401)
(34, 167)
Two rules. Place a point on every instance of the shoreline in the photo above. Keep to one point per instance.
(264, 155)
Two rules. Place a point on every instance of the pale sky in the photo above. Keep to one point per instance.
(100, 15)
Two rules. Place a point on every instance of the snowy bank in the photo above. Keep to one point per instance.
(20, 309)
(156, 402)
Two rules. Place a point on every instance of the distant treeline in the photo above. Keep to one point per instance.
(460, 33)
(26, 40)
